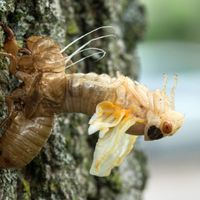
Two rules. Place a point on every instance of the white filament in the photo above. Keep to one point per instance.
(84, 45)
(102, 27)
(101, 51)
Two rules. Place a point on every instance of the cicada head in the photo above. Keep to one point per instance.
(162, 119)
(161, 125)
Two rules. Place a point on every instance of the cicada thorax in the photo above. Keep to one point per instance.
(42, 54)
(46, 60)
(47, 56)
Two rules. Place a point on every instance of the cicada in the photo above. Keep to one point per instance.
(120, 108)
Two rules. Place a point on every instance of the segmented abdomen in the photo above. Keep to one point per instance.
(85, 91)
(23, 140)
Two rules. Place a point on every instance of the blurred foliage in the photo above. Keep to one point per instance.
(173, 20)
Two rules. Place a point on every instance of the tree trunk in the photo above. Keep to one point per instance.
(61, 170)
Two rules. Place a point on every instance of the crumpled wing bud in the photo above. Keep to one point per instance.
(107, 116)
(113, 144)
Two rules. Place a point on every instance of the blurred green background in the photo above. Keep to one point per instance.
(173, 20)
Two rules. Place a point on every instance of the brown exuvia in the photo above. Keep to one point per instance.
(118, 105)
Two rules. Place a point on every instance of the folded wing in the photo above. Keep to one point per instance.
(113, 144)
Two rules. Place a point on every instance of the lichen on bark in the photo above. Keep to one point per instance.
(61, 170)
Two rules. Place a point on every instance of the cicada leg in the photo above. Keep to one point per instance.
(10, 44)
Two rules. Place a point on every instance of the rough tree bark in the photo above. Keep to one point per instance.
(61, 171)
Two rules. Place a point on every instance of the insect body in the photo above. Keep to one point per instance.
(117, 105)
(122, 106)
(29, 123)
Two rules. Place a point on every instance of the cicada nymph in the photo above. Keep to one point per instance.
(121, 109)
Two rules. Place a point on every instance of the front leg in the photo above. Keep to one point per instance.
(10, 47)
(10, 44)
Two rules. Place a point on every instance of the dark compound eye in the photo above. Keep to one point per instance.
(154, 133)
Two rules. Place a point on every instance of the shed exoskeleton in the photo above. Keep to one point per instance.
(121, 109)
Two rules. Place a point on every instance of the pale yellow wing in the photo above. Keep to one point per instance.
(113, 144)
